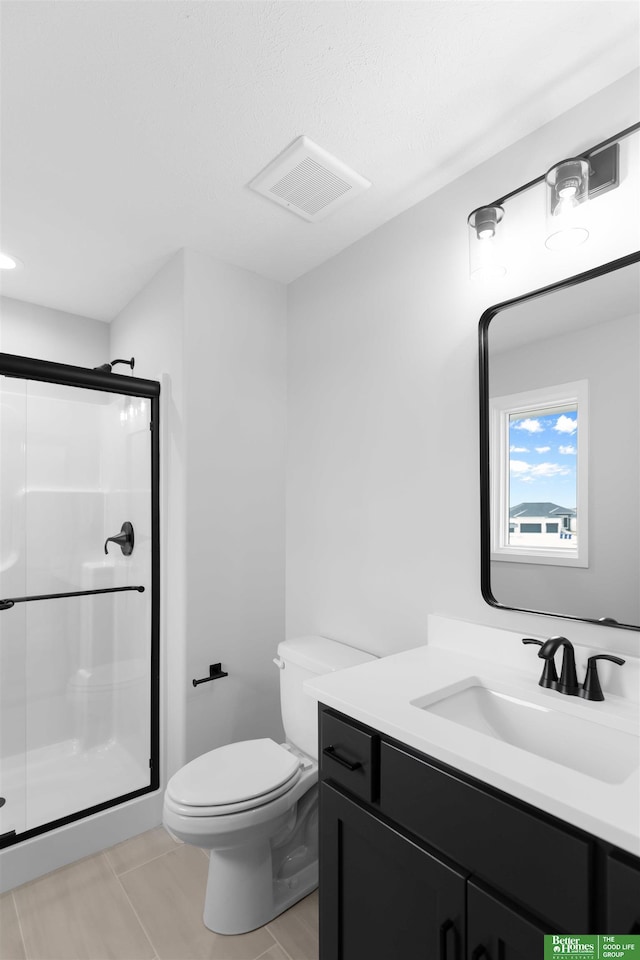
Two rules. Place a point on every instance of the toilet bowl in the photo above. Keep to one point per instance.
(253, 804)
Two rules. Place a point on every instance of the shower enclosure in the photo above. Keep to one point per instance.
(79, 593)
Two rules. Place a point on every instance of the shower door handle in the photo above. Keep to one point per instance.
(7, 604)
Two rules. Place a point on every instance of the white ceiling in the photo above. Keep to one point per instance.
(130, 129)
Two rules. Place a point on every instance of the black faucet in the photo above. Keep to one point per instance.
(568, 682)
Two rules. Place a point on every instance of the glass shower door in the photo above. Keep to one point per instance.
(77, 641)
(13, 401)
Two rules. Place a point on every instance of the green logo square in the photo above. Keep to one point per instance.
(592, 946)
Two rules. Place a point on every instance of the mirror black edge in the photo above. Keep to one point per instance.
(485, 484)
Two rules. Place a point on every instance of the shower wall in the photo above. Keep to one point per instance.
(31, 330)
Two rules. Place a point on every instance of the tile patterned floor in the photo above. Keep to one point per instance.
(139, 900)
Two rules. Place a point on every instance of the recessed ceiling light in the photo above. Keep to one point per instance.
(9, 263)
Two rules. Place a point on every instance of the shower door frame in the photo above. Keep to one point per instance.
(28, 368)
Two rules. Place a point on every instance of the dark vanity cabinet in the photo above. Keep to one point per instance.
(623, 893)
(496, 930)
(383, 895)
(419, 860)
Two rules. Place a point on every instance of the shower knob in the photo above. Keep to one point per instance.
(124, 539)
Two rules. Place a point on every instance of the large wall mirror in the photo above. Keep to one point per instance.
(560, 448)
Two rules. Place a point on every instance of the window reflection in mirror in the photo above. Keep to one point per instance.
(560, 448)
(540, 480)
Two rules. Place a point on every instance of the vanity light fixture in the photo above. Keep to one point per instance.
(485, 242)
(570, 186)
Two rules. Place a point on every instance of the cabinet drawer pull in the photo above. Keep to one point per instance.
(479, 953)
(444, 930)
(331, 752)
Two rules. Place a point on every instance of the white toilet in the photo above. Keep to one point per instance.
(254, 804)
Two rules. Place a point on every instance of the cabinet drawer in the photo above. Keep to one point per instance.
(349, 756)
(528, 859)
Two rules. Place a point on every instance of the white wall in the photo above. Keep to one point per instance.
(151, 328)
(215, 337)
(382, 482)
(30, 330)
(235, 363)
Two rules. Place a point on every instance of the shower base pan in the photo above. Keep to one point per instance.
(59, 780)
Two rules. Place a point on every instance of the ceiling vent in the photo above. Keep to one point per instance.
(309, 181)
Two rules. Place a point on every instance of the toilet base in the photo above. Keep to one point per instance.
(288, 892)
(249, 897)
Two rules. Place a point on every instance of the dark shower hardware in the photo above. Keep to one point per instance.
(591, 689)
(549, 676)
(124, 539)
(67, 375)
(106, 367)
(215, 672)
(7, 604)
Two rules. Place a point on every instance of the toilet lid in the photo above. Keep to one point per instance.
(225, 809)
(234, 773)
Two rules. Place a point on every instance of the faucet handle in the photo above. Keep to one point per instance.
(591, 689)
(549, 676)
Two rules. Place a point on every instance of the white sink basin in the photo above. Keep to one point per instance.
(599, 751)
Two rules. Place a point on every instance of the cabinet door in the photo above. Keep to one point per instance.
(623, 895)
(381, 896)
(496, 931)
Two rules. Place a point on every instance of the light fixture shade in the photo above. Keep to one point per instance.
(486, 242)
(566, 196)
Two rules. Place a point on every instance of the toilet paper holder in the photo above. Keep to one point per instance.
(215, 672)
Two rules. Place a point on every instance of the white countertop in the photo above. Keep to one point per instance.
(378, 694)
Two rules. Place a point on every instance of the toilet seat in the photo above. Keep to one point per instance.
(222, 809)
(236, 777)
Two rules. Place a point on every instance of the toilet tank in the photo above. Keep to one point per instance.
(299, 660)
